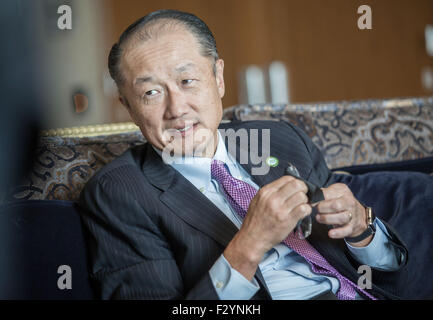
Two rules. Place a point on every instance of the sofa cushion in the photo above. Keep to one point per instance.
(405, 201)
(37, 238)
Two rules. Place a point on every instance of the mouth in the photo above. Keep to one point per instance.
(185, 128)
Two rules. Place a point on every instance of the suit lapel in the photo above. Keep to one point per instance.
(261, 180)
(189, 204)
(192, 206)
(197, 209)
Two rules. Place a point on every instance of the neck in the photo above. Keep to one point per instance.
(209, 150)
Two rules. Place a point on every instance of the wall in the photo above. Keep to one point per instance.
(328, 57)
(74, 62)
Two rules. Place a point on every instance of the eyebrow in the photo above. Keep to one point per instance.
(140, 80)
(189, 65)
(180, 69)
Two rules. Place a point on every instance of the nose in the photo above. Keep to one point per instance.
(177, 105)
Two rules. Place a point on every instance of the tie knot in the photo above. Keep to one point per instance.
(218, 170)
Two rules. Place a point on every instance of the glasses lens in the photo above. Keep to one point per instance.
(304, 228)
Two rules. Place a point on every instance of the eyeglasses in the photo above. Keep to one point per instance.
(304, 227)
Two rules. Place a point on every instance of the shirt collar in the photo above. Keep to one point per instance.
(197, 169)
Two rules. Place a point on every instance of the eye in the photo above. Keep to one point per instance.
(151, 93)
(187, 81)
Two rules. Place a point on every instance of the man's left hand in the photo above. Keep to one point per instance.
(341, 210)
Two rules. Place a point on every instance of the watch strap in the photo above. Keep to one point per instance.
(368, 232)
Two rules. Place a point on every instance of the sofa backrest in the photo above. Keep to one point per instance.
(347, 133)
(357, 132)
(67, 158)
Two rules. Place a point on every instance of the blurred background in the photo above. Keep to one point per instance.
(280, 51)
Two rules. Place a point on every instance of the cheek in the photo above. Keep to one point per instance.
(149, 123)
(217, 111)
(213, 103)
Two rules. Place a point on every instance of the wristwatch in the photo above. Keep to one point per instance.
(370, 227)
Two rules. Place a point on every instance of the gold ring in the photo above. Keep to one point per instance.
(350, 216)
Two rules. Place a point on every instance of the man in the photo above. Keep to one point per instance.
(173, 230)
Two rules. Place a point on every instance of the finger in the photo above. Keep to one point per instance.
(295, 200)
(332, 206)
(277, 184)
(272, 188)
(301, 211)
(341, 218)
(334, 191)
(341, 232)
(293, 187)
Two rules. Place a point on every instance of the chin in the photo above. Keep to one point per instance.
(199, 142)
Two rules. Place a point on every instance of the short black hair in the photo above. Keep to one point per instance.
(193, 24)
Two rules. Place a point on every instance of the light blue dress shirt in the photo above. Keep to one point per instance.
(287, 274)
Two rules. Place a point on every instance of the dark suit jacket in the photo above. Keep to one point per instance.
(152, 235)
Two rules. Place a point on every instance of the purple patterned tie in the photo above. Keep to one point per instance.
(239, 195)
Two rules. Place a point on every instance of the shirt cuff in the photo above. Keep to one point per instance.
(380, 253)
(229, 283)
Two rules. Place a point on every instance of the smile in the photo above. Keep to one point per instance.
(186, 128)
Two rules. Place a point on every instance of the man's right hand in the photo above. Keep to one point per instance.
(272, 214)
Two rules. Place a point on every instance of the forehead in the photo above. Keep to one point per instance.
(170, 50)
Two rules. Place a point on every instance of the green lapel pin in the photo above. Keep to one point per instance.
(272, 161)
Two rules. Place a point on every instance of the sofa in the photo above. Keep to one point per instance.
(40, 220)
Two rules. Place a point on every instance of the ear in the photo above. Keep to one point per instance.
(125, 102)
(219, 76)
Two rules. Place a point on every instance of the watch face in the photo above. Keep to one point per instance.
(370, 216)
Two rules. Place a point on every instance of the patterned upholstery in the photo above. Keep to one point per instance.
(348, 133)
(64, 164)
(354, 133)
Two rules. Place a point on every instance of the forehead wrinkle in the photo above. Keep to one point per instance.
(143, 59)
(137, 59)
(147, 59)
(148, 55)
(152, 33)
(185, 67)
(143, 79)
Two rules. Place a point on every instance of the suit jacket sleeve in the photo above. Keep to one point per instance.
(129, 255)
(394, 281)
